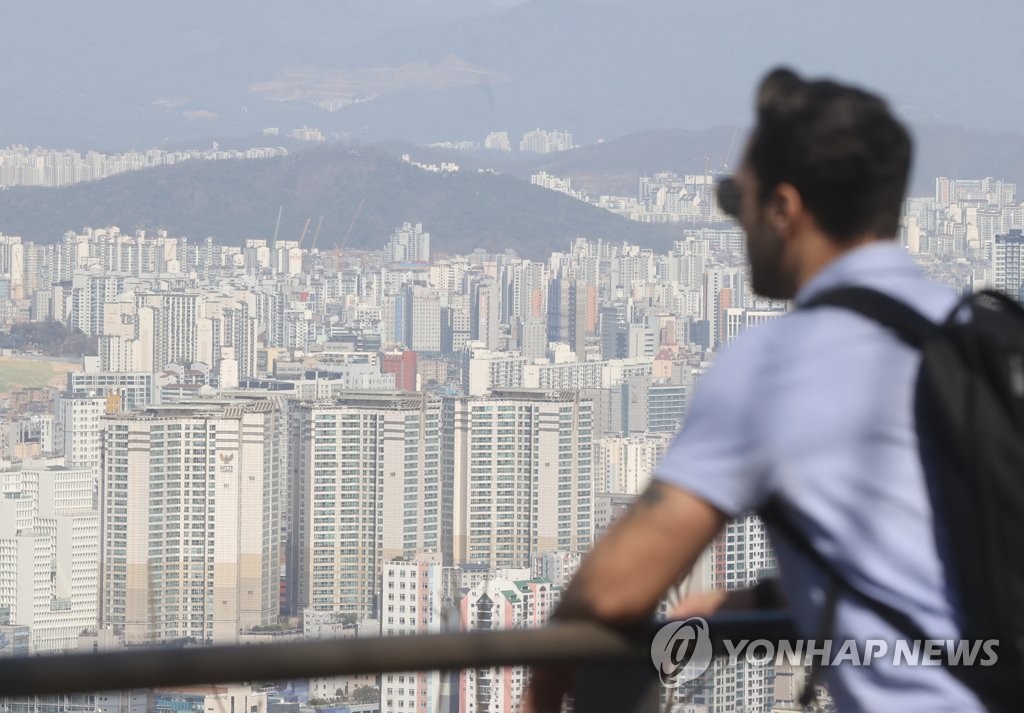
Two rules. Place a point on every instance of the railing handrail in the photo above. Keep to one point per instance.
(561, 643)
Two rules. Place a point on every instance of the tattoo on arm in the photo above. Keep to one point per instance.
(653, 495)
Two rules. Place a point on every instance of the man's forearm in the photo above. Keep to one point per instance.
(648, 549)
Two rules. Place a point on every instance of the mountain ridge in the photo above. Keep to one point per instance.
(235, 200)
(362, 187)
(615, 166)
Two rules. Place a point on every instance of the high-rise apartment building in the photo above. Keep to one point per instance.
(498, 141)
(393, 320)
(172, 318)
(411, 603)
(409, 243)
(456, 324)
(625, 463)
(79, 429)
(498, 604)
(485, 311)
(739, 557)
(523, 468)
(483, 369)
(557, 567)
(365, 469)
(49, 553)
(532, 337)
(1008, 264)
(193, 498)
(544, 141)
(666, 406)
(90, 293)
(568, 313)
(12, 265)
(423, 319)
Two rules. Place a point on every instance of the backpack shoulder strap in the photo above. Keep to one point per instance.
(908, 324)
(773, 513)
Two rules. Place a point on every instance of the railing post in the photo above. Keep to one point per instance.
(623, 687)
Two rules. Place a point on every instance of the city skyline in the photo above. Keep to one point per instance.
(363, 318)
(267, 433)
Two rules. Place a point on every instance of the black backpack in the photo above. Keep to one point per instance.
(970, 424)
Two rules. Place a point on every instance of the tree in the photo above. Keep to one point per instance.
(365, 694)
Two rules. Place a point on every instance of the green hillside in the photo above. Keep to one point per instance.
(235, 200)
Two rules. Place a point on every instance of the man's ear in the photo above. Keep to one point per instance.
(785, 209)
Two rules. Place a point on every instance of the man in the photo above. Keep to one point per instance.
(812, 411)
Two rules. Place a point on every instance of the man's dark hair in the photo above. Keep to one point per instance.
(839, 146)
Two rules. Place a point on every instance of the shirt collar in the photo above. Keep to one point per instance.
(857, 266)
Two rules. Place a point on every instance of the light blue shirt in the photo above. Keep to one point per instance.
(816, 408)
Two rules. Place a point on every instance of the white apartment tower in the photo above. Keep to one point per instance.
(90, 293)
(557, 567)
(423, 319)
(365, 469)
(193, 497)
(740, 556)
(523, 468)
(409, 243)
(544, 141)
(12, 264)
(502, 604)
(484, 369)
(49, 553)
(169, 328)
(625, 463)
(498, 141)
(411, 602)
(79, 429)
(1008, 264)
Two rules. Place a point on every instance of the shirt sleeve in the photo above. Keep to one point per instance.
(718, 455)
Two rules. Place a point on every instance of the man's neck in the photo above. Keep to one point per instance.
(821, 250)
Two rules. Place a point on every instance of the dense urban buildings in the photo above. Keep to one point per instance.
(269, 441)
(50, 553)
(21, 166)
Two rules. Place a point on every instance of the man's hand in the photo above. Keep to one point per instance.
(621, 581)
(548, 686)
(701, 604)
(764, 595)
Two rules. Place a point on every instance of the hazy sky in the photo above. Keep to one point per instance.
(125, 73)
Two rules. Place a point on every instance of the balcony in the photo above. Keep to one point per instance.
(615, 672)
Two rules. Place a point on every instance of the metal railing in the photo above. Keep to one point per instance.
(615, 670)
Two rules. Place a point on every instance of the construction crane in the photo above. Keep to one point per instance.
(728, 154)
(316, 235)
(348, 233)
(305, 227)
(280, 209)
